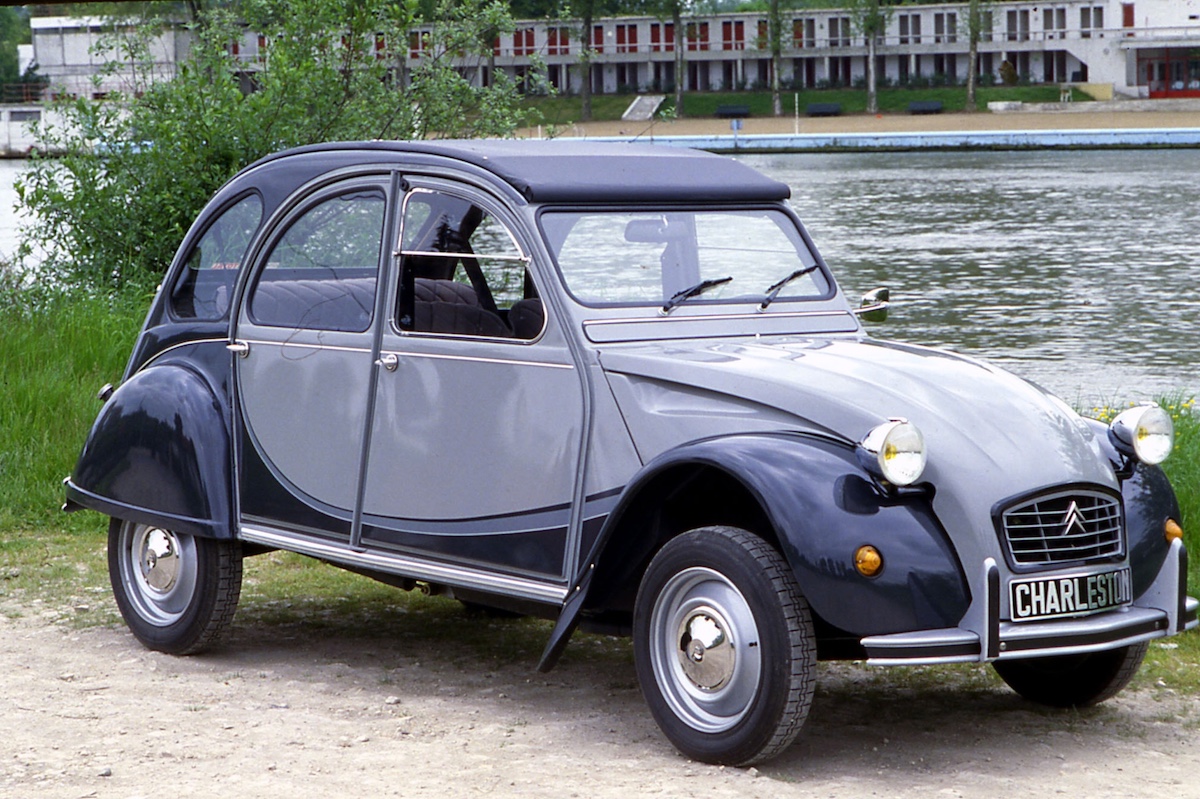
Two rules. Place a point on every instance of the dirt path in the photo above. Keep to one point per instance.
(317, 710)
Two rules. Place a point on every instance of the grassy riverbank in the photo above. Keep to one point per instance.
(54, 359)
(564, 110)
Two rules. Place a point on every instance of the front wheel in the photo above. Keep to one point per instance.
(1073, 680)
(724, 646)
(177, 592)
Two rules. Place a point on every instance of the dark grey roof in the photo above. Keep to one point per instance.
(574, 171)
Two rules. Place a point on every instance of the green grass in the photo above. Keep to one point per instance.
(564, 110)
(55, 357)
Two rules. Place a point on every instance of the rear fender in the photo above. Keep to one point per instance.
(159, 453)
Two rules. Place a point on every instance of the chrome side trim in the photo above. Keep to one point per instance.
(407, 566)
(159, 355)
(438, 356)
(303, 346)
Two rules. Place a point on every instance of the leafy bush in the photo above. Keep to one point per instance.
(136, 168)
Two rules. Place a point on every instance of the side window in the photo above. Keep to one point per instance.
(202, 291)
(462, 272)
(321, 273)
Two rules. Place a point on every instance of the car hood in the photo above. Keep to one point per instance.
(990, 435)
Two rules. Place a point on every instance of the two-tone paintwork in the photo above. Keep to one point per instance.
(531, 471)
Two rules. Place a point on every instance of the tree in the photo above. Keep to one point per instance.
(775, 45)
(14, 29)
(979, 21)
(136, 169)
(870, 18)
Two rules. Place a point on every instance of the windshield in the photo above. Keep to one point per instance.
(645, 258)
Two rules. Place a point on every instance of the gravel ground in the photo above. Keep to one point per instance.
(319, 710)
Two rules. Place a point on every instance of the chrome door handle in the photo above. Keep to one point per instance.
(240, 347)
(389, 361)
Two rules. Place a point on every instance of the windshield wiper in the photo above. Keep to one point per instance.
(774, 290)
(691, 291)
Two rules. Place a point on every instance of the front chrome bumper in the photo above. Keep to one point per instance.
(1163, 609)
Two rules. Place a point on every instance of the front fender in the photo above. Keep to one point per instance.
(821, 507)
(159, 453)
(1149, 502)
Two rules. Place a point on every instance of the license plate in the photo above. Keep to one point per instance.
(1075, 595)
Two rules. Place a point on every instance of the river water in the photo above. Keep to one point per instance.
(1077, 270)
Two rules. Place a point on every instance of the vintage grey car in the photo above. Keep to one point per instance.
(617, 387)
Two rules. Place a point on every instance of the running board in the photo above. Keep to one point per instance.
(408, 566)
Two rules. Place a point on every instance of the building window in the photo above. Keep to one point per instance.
(839, 31)
(1091, 18)
(910, 28)
(1054, 23)
(733, 35)
(697, 35)
(558, 41)
(804, 33)
(945, 28)
(1018, 26)
(662, 37)
(523, 41)
(627, 38)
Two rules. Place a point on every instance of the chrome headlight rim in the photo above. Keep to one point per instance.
(894, 452)
(1145, 432)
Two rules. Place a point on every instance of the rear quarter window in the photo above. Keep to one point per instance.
(204, 287)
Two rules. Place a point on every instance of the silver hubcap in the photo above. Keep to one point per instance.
(158, 572)
(705, 650)
(159, 560)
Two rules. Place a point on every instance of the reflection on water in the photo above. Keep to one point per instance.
(1078, 270)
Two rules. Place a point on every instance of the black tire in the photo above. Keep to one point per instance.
(177, 592)
(748, 702)
(1073, 680)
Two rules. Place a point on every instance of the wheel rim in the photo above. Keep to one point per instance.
(158, 572)
(704, 649)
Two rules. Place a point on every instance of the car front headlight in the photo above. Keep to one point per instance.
(894, 451)
(1145, 431)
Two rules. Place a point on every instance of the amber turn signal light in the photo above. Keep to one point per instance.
(868, 561)
(1172, 530)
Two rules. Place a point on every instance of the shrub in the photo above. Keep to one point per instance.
(136, 168)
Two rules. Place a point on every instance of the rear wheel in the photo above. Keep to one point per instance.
(1073, 680)
(724, 646)
(177, 592)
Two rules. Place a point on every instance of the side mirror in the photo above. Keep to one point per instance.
(874, 305)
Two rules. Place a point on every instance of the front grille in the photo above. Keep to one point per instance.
(1064, 527)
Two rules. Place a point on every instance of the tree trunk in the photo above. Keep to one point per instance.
(974, 23)
(775, 35)
(872, 93)
(677, 21)
(585, 67)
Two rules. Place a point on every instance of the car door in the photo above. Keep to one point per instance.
(304, 333)
(475, 441)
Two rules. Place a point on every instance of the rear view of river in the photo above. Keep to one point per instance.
(1077, 270)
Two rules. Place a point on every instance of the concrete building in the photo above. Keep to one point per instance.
(1144, 49)
(71, 52)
